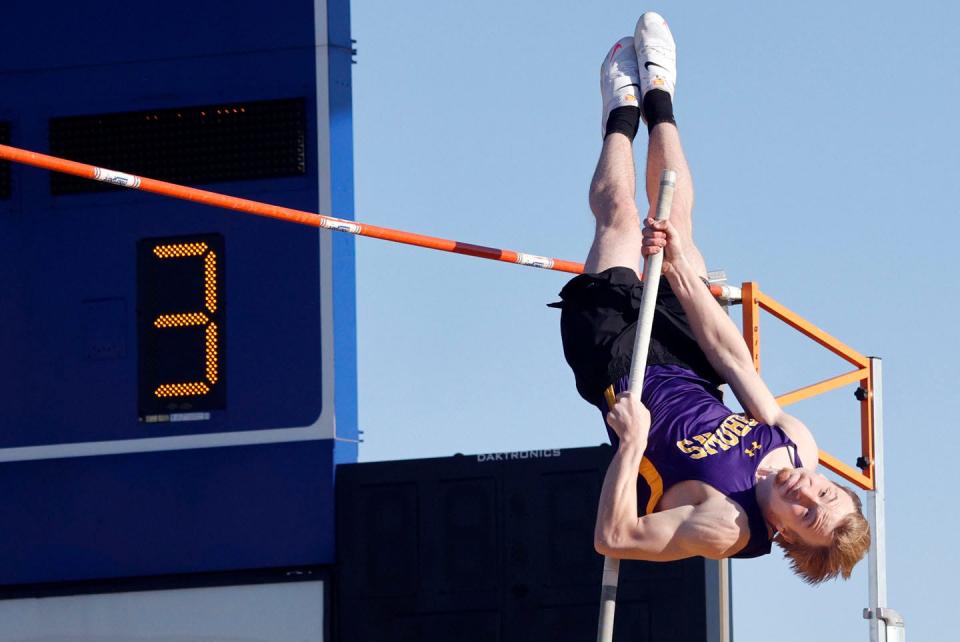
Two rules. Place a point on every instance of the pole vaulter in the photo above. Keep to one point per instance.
(689, 477)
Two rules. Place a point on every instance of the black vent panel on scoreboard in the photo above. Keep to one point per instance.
(494, 548)
(191, 145)
(4, 165)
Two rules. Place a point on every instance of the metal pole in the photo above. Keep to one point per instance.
(651, 283)
(726, 608)
(886, 625)
(717, 582)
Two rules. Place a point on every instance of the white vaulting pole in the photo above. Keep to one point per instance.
(651, 284)
(641, 346)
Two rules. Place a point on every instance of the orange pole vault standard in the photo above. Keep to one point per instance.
(754, 301)
(302, 217)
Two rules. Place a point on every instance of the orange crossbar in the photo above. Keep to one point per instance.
(301, 217)
(753, 302)
(282, 213)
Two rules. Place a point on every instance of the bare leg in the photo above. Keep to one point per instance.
(613, 192)
(666, 152)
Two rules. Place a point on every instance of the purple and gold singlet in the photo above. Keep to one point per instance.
(693, 435)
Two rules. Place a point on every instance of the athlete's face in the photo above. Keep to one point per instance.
(807, 506)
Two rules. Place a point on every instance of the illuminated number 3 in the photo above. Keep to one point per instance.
(193, 319)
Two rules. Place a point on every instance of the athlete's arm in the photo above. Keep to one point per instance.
(721, 342)
(617, 510)
(676, 534)
(673, 534)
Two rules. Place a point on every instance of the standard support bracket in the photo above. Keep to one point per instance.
(889, 616)
(894, 628)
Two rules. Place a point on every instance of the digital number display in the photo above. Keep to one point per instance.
(182, 323)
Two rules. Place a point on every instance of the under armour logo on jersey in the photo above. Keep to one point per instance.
(754, 447)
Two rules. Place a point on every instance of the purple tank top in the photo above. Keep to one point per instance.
(693, 435)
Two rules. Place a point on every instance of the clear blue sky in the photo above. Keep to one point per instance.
(824, 145)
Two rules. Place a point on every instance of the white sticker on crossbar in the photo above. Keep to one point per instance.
(340, 226)
(534, 261)
(116, 178)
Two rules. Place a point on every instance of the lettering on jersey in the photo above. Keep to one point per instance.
(738, 424)
(726, 436)
(731, 431)
(709, 442)
(695, 452)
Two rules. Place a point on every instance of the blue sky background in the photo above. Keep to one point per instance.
(823, 140)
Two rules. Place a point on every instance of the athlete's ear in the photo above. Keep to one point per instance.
(784, 535)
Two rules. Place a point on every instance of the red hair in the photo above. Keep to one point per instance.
(851, 540)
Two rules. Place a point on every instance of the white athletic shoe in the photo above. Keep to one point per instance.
(619, 79)
(656, 54)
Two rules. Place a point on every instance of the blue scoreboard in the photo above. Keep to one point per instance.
(177, 382)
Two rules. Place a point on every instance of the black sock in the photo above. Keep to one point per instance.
(657, 108)
(625, 120)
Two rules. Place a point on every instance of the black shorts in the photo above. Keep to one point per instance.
(599, 322)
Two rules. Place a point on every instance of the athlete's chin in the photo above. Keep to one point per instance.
(784, 475)
(787, 480)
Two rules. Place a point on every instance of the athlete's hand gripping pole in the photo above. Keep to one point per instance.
(641, 346)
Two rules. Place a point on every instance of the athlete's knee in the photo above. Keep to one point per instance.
(611, 191)
(620, 218)
(609, 203)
